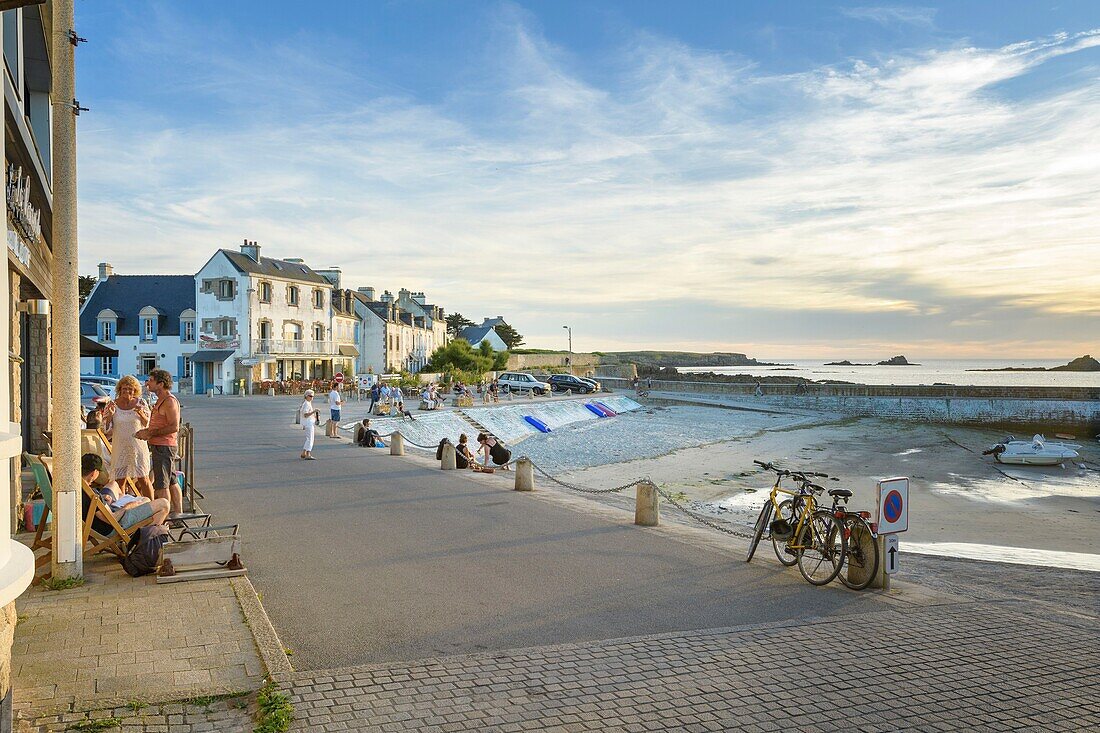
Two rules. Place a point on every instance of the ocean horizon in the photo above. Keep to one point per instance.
(926, 371)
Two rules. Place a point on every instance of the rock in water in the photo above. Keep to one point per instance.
(896, 361)
(1081, 364)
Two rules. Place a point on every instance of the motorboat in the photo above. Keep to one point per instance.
(1035, 452)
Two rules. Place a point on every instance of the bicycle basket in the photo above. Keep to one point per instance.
(781, 530)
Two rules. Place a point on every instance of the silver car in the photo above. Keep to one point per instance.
(90, 393)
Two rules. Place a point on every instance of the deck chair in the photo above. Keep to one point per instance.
(42, 538)
(94, 440)
(114, 541)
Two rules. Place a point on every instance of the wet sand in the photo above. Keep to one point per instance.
(956, 494)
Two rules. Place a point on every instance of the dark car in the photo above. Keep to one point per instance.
(562, 382)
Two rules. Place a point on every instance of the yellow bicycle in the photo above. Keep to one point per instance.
(801, 533)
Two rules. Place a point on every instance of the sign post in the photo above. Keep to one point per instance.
(338, 377)
(892, 517)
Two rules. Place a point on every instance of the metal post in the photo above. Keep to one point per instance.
(67, 558)
(397, 445)
(525, 475)
(647, 511)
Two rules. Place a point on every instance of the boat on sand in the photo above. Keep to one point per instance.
(1035, 452)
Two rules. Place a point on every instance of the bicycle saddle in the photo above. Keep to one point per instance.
(840, 493)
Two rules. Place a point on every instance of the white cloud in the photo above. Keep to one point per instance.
(868, 188)
(891, 14)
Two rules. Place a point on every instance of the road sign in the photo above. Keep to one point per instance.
(338, 377)
(891, 547)
(893, 505)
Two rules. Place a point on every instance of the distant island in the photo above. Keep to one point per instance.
(894, 361)
(683, 359)
(1081, 364)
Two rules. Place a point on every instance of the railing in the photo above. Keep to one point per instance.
(294, 346)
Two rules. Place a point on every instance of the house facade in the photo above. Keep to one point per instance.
(394, 338)
(149, 319)
(485, 332)
(261, 319)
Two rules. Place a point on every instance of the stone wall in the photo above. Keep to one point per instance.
(1070, 406)
(519, 362)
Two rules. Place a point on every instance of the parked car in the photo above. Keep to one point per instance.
(562, 382)
(107, 383)
(595, 384)
(90, 392)
(521, 382)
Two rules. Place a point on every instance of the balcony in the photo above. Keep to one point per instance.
(294, 347)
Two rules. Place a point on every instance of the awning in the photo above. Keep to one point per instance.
(215, 356)
(94, 348)
(346, 350)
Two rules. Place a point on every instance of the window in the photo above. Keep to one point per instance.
(148, 329)
(265, 330)
(147, 363)
(188, 370)
(227, 327)
(265, 292)
(292, 295)
(106, 365)
(187, 330)
(107, 331)
(318, 332)
(226, 289)
(318, 298)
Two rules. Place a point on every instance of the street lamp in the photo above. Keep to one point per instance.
(569, 360)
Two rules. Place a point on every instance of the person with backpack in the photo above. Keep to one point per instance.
(495, 450)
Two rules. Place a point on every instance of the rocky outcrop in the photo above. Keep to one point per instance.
(845, 363)
(896, 361)
(1081, 364)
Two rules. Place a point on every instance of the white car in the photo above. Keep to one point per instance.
(522, 382)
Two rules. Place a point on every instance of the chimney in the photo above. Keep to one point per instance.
(387, 297)
(332, 274)
(251, 249)
(419, 298)
(105, 270)
(369, 292)
(347, 301)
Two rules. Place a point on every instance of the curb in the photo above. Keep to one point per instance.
(271, 649)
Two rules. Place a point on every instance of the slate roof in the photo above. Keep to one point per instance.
(474, 334)
(126, 295)
(274, 268)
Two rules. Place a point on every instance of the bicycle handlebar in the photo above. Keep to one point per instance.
(801, 475)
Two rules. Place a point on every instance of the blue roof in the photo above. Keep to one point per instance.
(126, 295)
(474, 334)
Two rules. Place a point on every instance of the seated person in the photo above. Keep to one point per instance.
(403, 412)
(365, 435)
(463, 457)
(493, 448)
(127, 509)
(427, 400)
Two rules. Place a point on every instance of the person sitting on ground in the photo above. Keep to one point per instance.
(494, 449)
(426, 399)
(437, 396)
(365, 435)
(463, 457)
(403, 412)
(127, 509)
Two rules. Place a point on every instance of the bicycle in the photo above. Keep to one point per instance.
(862, 552)
(800, 530)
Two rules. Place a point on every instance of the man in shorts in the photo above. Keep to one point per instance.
(335, 402)
(164, 426)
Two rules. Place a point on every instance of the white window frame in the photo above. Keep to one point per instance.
(188, 367)
(292, 295)
(148, 328)
(105, 365)
(108, 331)
(187, 330)
(141, 363)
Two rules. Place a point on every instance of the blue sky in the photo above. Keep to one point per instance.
(786, 179)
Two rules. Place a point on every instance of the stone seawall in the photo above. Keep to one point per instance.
(1055, 406)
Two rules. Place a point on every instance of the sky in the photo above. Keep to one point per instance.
(797, 179)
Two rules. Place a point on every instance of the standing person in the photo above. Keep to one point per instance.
(309, 424)
(375, 393)
(124, 419)
(164, 426)
(335, 402)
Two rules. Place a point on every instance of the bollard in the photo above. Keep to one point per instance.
(210, 392)
(397, 445)
(449, 462)
(525, 474)
(882, 580)
(270, 391)
(647, 512)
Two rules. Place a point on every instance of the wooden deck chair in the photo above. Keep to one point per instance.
(114, 541)
(42, 538)
(94, 440)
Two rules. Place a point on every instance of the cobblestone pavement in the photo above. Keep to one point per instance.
(957, 666)
(119, 640)
(222, 716)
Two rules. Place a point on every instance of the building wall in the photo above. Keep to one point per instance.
(372, 341)
(207, 306)
(167, 349)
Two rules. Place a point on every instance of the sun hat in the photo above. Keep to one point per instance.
(309, 393)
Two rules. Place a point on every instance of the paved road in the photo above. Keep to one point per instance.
(362, 557)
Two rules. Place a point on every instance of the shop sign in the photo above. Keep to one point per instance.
(211, 342)
(17, 193)
(21, 251)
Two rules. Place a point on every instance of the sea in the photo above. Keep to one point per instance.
(929, 371)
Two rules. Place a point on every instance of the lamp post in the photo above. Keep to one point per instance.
(569, 359)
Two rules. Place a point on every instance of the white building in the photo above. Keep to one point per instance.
(261, 319)
(149, 319)
(485, 332)
(397, 333)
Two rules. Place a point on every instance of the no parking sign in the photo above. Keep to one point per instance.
(893, 505)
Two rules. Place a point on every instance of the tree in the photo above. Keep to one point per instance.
(500, 358)
(510, 336)
(459, 356)
(455, 323)
(84, 285)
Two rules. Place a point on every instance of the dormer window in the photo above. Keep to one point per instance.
(107, 321)
(318, 298)
(265, 292)
(148, 323)
(292, 295)
(187, 326)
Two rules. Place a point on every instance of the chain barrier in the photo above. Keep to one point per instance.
(409, 442)
(700, 518)
(585, 489)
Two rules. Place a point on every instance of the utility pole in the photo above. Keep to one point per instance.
(67, 559)
(570, 330)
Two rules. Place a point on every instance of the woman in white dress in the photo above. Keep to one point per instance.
(123, 417)
(309, 419)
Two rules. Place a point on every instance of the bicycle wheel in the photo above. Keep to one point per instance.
(822, 548)
(758, 530)
(786, 512)
(862, 557)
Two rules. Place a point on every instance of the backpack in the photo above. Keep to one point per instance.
(439, 450)
(143, 550)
